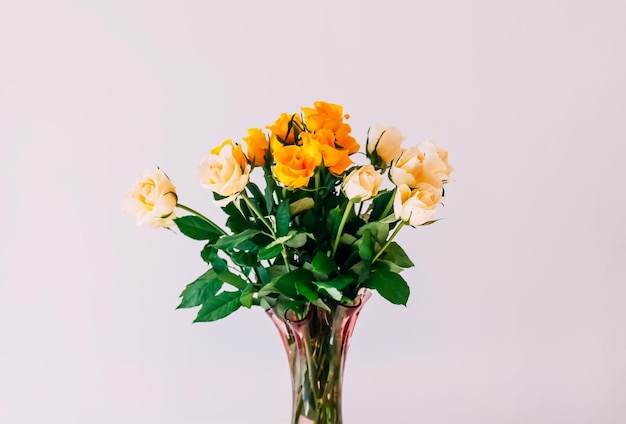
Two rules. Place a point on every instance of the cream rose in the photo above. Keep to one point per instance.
(386, 142)
(362, 184)
(408, 168)
(225, 171)
(436, 170)
(152, 200)
(417, 206)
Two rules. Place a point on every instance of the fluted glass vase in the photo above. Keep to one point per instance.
(316, 348)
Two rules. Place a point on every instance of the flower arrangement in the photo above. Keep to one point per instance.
(317, 225)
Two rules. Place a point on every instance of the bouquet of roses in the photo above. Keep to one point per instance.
(315, 227)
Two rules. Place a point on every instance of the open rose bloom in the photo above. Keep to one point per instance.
(316, 226)
(152, 200)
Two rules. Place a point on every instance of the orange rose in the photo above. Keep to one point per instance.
(345, 141)
(323, 142)
(294, 165)
(257, 145)
(285, 128)
(325, 115)
(330, 116)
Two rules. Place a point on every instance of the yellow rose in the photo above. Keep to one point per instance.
(362, 184)
(437, 170)
(408, 168)
(225, 171)
(386, 142)
(152, 200)
(294, 166)
(417, 206)
(322, 143)
(257, 144)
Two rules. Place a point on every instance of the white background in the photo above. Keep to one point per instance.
(517, 308)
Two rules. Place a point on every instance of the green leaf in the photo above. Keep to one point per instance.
(264, 276)
(257, 195)
(366, 245)
(348, 239)
(307, 289)
(246, 300)
(254, 244)
(197, 228)
(247, 297)
(323, 264)
(379, 230)
(282, 219)
(231, 242)
(270, 188)
(391, 286)
(430, 222)
(329, 290)
(245, 258)
(276, 271)
(208, 253)
(334, 219)
(388, 265)
(267, 302)
(339, 282)
(231, 209)
(219, 265)
(287, 283)
(218, 307)
(205, 286)
(270, 251)
(301, 205)
(233, 279)
(298, 240)
(379, 204)
(238, 223)
(364, 271)
(320, 303)
(396, 254)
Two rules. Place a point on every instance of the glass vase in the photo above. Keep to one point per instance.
(316, 348)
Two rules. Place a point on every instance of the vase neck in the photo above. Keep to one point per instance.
(316, 347)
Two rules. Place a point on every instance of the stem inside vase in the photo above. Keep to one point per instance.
(316, 347)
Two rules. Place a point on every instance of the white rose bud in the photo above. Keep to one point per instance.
(152, 200)
(225, 171)
(408, 169)
(386, 142)
(436, 170)
(417, 206)
(362, 183)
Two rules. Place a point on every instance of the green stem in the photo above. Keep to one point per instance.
(311, 362)
(317, 186)
(344, 218)
(395, 232)
(389, 204)
(258, 214)
(202, 217)
(269, 227)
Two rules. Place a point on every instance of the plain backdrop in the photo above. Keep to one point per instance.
(517, 308)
